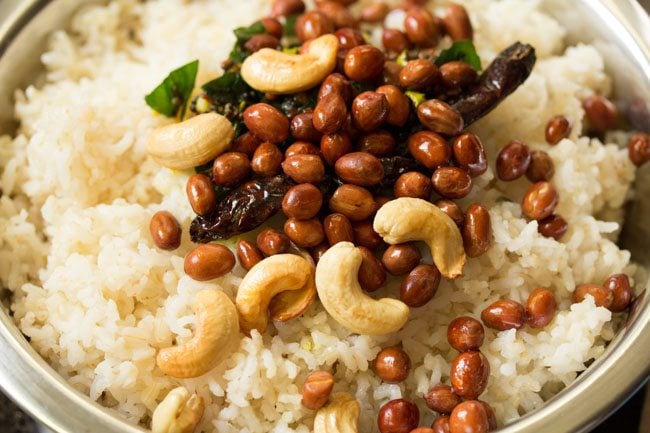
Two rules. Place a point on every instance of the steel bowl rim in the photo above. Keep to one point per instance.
(63, 409)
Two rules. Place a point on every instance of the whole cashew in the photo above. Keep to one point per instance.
(343, 298)
(273, 71)
(193, 142)
(341, 415)
(413, 219)
(215, 339)
(177, 413)
(275, 274)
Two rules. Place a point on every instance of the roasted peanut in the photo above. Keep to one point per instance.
(601, 113)
(209, 261)
(374, 12)
(338, 229)
(469, 374)
(470, 154)
(349, 38)
(316, 389)
(441, 425)
(370, 111)
(302, 128)
(264, 40)
(313, 24)
(503, 315)
(557, 128)
(330, 114)
(366, 236)
(398, 416)
(451, 182)
(231, 169)
(283, 8)
(421, 27)
(553, 226)
(429, 149)
(271, 242)
(395, 40)
(465, 334)
(304, 233)
(246, 143)
(353, 201)
(457, 23)
(201, 194)
(442, 399)
(248, 253)
(513, 160)
(477, 231)
(337, 13)
(413, 184)
(399, 104)
(364, 63)
(165, 230)
(619, 285)
(452, 210)
(304, 168)
(302, 202)
(336, 84)
(540, 201)
(540, 308)
(267, 160)
(380, 143)
(266, 123)
(359, 168)
(638, 148)
(457, 75)
(602, 296)
(334, 146)
(392, 365)
(419, 74)
(420, 285)
(400, 259)
(469, 417)
(440, 117)
(372, 274)
(541, 167)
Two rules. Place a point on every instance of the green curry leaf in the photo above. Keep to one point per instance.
(461, 50)
(172, 94)
(243, 34)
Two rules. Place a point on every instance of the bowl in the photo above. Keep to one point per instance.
(619, 29)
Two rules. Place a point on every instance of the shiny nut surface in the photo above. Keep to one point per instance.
(413, 184)
(302, 201)
(541, 166)
(420, 285)
(231, 169)
(452, 210)
(602, 296)
(540, 308)
(441, 398)
(465, 334)
(553, 226)
(364, 63)
(457, 23)
(353, 201)
(392, 365)
(503, 315)
(267, 160)
(398, 416)
(477, 231)
(451, 182)
(316, 389)
(304, 233)
(638, 148)
(271, 242)
(469, 417)
(266, 123)
(513, 160)
(400, 259)
(469, 374)
(429, 149)
(601, 113)
(201, 194)
(338, 229)
(419, 74)
(421, 27)
(165, 230)
(540, 201)
(360, 168)
(372, 275)
(400, 106)
(209, 261)
(470, 154)
(304, 168)
(370, 111)
(248, 253)
(619, 285)
(440, 117)
(557, 128)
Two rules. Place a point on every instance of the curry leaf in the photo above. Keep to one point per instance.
(172, 94)
(460, 50)
(243, 34)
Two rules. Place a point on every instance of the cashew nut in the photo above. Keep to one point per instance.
(413, 219)
(193, 142)
(216, 338)
(341, 415)
(273, 71)
(177, 413)
(341, 295)
(275, 274)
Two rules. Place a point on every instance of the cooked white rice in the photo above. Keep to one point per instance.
(98, 299)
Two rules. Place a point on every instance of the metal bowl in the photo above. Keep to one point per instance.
(620, 30)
